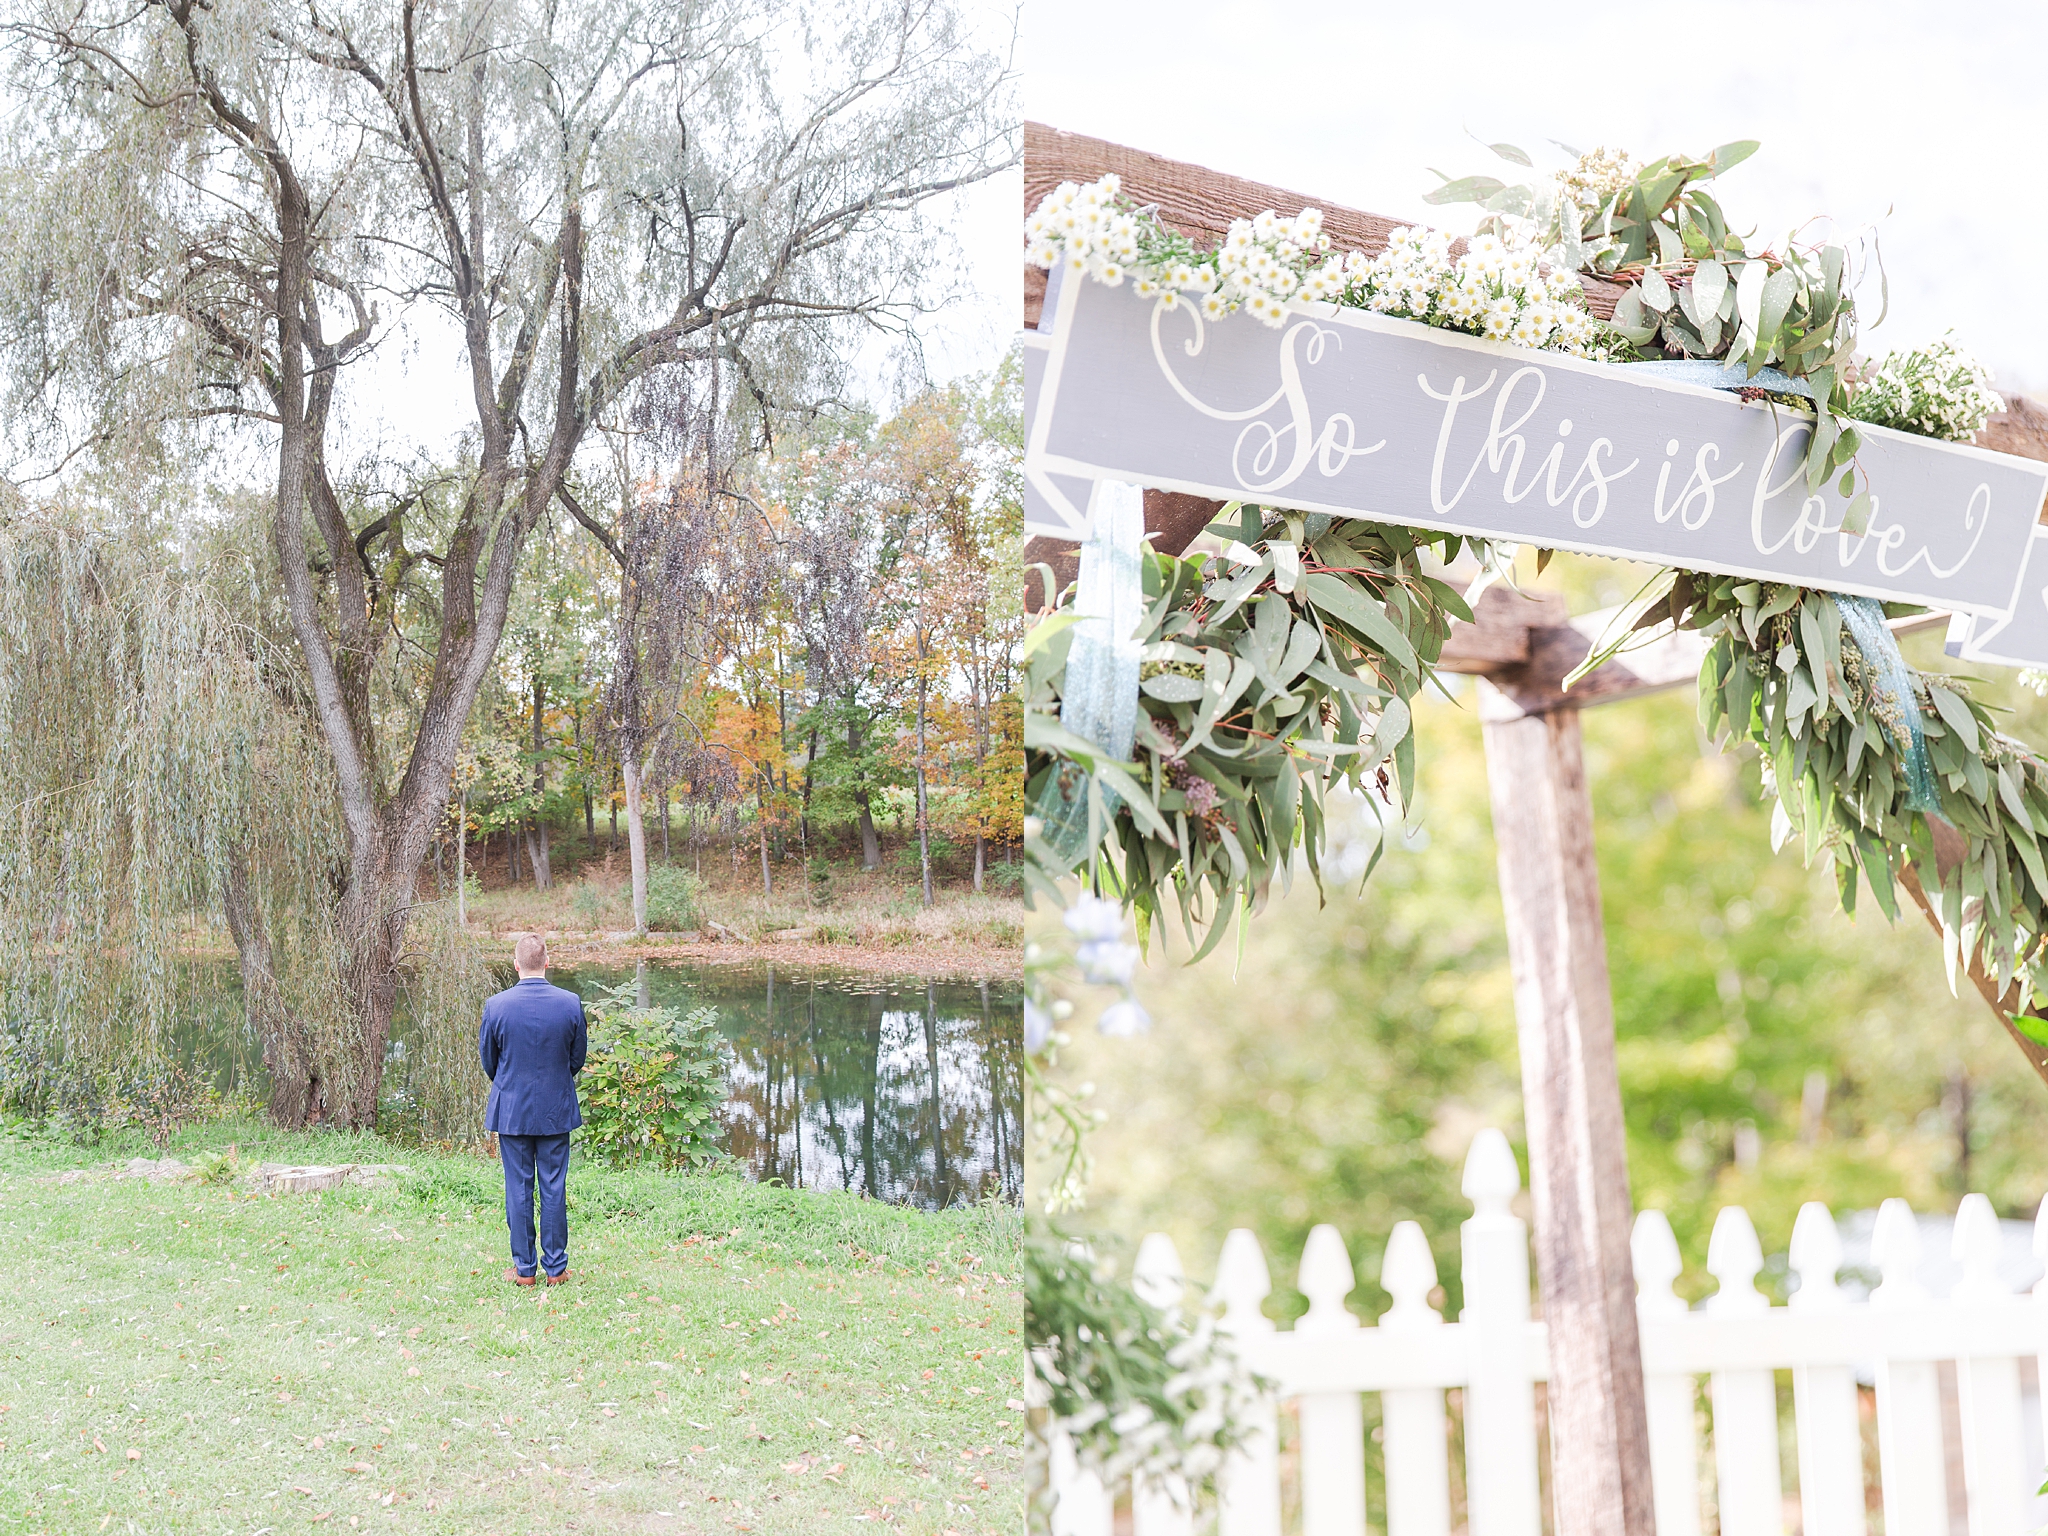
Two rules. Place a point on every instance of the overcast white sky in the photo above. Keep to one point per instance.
(1929, 121)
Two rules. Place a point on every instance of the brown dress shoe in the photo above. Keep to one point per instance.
(557, 1279)
(517, 1278)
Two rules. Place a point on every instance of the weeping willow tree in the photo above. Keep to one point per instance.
(212, 214)
(161, 777)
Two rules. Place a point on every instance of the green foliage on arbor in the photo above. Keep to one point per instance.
(1269, 678)
(653, 1084)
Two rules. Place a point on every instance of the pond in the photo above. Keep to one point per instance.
(906, 1090)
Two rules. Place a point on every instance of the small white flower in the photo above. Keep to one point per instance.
(1094, 919)
(1037, 1028)
(1144, 287)
(1124, 1019)
(1106, 963)
(1110, 273)
(1215, 306)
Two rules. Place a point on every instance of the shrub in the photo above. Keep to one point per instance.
(653, 1084)
(675, 899)
(1004, 879)
(910, 863)
(587, 903)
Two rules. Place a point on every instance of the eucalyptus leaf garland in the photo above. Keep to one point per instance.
(1270, 675)
(1783, 675)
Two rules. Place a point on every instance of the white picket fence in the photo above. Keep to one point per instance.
(1495, 1353)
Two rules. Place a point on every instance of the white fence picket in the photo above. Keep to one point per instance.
(2041, 1300)
(1829, 1431)
(1500, 1396)
(1495, 1354)
(1163, 1508)
(1994, 1463)
(1668, 1396)
(1915, 1478)
(1332, 1423)
(1746, 1467)
(1416, 1437)
(1084, 1507)
(1248, 1486)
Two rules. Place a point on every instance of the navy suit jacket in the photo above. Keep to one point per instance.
(532, 1044)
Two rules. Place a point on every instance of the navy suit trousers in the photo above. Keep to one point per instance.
(546, 1158)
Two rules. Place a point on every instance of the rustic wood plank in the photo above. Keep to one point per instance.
(1200, 203)
(1571, 1106)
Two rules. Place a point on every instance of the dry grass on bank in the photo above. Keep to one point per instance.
(863, 919)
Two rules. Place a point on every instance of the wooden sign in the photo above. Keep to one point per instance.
(2018, 637)
(1352, 413)
(1055, 506)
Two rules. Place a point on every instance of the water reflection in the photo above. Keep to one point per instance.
(908, 1090)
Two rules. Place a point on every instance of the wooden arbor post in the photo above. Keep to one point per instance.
(1571, 1110)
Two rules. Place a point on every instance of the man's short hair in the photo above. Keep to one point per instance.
(530, 953)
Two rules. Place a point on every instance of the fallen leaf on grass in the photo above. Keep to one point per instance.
(357, 1466)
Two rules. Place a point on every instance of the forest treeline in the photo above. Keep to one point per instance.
(826, 650)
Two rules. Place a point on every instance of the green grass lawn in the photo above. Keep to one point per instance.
(189, 1357)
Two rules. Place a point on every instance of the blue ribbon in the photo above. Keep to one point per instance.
(1892, 679)
(1099, 696)
(1899, 707)
(1709, 374)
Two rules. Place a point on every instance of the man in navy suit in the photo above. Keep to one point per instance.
(532, 1044)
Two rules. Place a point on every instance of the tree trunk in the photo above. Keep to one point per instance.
(537, 832)
(980, 857)
(462, 867)
(298, 1087)
(761, 826)
(636, 842)
(537, 854)
(924, 840)
(810, 757)
(870, 845)
(666, 791)
(373, 935)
